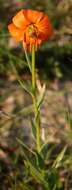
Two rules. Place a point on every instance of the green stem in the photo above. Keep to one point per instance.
(36, 111)
(33, 68)
(38, 133)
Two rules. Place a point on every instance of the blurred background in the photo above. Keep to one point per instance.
(54, 67)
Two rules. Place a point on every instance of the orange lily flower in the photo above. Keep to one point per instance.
(30, 27)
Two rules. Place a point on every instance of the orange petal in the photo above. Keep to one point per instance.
(45, 26)
(34, 16)
(39, 41)
(15, 32)
(44, 21)
(20, 19)
(42, 36)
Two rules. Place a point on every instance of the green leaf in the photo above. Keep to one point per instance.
(38, 176)
(26, 149)
(40, 161)
(54, 179)
(25, 111)
(28, 61)
(41, 96)
(46, 150)
(32, 164)
(25, 86)
(59, 158)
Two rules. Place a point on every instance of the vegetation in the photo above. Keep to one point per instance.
(23, 166)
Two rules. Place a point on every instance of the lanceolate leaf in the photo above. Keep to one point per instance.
(35, 172)
(59, 158)
(41, 96)
(26, 148)
(21, 82)
(38, 176)
(46, 150)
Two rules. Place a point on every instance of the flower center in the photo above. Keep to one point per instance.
(33, 31)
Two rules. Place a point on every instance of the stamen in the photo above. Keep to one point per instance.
(33, 31)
